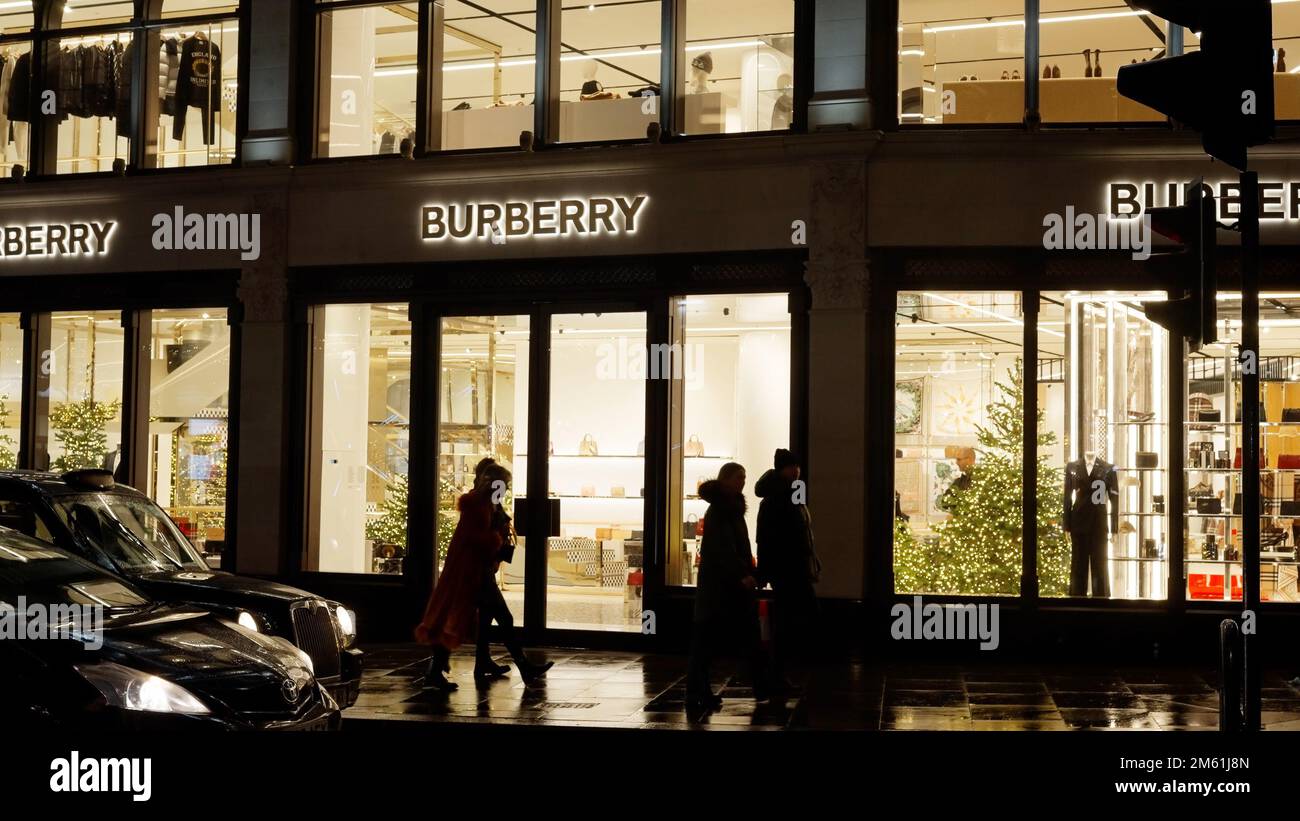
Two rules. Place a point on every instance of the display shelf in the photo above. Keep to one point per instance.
(1146, 559)
(1206, 427)
(1135, 423)
(1262, 560)
(597, 498)
(615, 456)
(1142, 470)
(1238, 470)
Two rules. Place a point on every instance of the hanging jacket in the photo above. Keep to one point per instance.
(169, 66)
(122, 57)
(19, 102)
(67, 83)
(198, 84)
(98, 89)
(6, 79)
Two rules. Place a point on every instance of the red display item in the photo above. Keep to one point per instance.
(1236, 460)
(1288, 461)
(1205, 586)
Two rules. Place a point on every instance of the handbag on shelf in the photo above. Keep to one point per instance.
(1209, 549)
(587, 447)
(1289, 507)
(1232, 553)
(1209, 506)
(1149, 550)
(1236, 460)
(1157, 503)
(618, 491)
(1291, 415)
(1200, 455)
(588, 491)
(1288, 461)
(689, 526)
(693, 446)
(1147, 459)
(1263, 414)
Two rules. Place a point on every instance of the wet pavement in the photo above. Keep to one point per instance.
(613, 689)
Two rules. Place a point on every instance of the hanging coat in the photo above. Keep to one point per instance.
(451, 616)
(198, 84)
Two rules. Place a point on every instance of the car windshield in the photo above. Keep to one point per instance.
(44, 575)
(134, 532)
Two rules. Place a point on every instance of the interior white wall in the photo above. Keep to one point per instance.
(345, 382)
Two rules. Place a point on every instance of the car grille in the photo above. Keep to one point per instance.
(313, 630)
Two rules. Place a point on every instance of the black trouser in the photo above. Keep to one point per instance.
(794, 622)
(734, 632)
(492, 607)
(1088, 549)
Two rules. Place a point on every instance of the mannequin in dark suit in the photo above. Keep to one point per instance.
(1090, 485)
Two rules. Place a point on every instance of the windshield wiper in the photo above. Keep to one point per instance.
(129, 534)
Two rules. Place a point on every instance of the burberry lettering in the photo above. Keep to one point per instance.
(496, 222)
(54, 239)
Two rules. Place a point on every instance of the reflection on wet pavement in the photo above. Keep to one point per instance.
(612, 689)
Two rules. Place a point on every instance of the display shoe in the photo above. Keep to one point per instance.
(1281, 61)
(964, 78)
(1047, 72)
(1015, 75)
(1096, 63)
(1056, 72)
(1087, 61)
(1006, 75)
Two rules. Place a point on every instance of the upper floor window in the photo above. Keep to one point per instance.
(88, 117)
(737, 76)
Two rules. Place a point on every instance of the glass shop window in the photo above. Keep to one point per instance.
(961, 62)
(189, 423)
(739, 66)
(1286, 60)
(15, 105)
(11, 389)
(360, 438)
(489, 66)
(85, 390)
(367, 79)
(1215, 458)
(91, 80)
(730, 403)
(958, 446)
(82, 13)
(1103, 447)
(198, 87)
(609, 70)
(1081, 51)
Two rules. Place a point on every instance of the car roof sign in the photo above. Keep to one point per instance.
(90, 477)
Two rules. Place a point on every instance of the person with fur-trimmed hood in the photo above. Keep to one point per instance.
(726, 604)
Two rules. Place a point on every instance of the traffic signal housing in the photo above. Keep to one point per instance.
(1224, 90)
(1192, 225)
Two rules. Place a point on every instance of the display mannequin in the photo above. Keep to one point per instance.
(1091, 484)
(701, 68)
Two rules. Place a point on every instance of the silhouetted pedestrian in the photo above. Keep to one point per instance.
(466, 596)
(726, 606)
(787, 560)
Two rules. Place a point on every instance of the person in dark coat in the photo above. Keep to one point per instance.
(461, 597)
(726, 605)
(787, 559)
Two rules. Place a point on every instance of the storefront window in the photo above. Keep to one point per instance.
(609, 70)
(368, 73)
(484, 413)
(488, 72)
(1103, 467)
(961, 62)
(85, 390)
(597, 471)
(360, 436)
(189, 416)
(11, 387)
(196, 125)
(96, 12)
(1082, 50)
(730, 369)
(93, 76)
(15, 104)
(739, 65)
(190, 8)
(1215, 457)
(958, 446)
(1286, 60)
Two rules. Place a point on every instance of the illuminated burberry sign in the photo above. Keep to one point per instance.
(58, 239)
(1279, 201)
(499, 222)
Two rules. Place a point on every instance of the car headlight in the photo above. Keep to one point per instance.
(347, 624)
(247, 619)
(130, 689)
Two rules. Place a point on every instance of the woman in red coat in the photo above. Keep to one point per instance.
(467, 584)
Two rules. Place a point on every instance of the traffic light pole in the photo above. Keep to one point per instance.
(1250, 442)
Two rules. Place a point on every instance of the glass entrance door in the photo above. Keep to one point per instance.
(599, 364)
(483, 412)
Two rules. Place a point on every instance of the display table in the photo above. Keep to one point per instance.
(1286, 87)
(625, 118)
(985, 101)
(1090, 100)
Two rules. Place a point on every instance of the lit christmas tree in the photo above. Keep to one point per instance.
(390, 527)
(8, 447)
(978, 549)
(80, 428)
